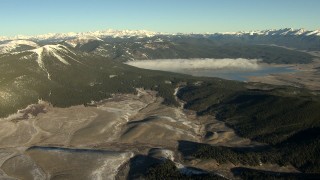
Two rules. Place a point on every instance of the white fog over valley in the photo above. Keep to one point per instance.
(234, 69)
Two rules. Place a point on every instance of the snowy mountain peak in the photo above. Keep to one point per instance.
(50, 50)
(59, 52)
(96, 34)
(57, 37)
(274, 32)
(82, 40)
(53, 50)
(12, 46)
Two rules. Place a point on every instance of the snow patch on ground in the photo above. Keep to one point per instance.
(110, 166)
(167, 82)
(162, 153)
(5, 95)
(112, 76)
(188, 171)
(40, 62)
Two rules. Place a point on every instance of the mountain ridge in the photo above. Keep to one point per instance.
(70, 35)
(146, 33)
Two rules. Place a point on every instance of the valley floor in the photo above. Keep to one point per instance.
(101, 140)
(306, 76)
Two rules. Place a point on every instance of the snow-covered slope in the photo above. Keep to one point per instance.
(12, 46)
(81, 40)
(58, 53)
(52, 50)
(274, 32)
(96, 34)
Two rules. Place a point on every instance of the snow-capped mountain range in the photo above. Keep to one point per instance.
(96, 34)
(145, 33)
(279, 32)
(131, 45)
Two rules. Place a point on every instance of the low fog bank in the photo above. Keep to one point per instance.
(233, 69)
(193, 64)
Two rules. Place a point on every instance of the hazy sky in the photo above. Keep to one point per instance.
(31, 17)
